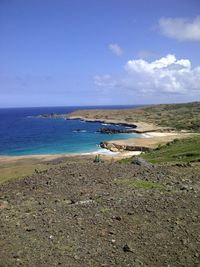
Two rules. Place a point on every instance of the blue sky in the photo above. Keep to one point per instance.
(94, 52)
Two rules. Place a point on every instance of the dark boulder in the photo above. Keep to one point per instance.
(141, 162)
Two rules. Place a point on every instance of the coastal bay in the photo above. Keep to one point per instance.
(108, 209)
(100, 133)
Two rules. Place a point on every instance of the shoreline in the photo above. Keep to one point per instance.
(139, 128)
(50, 157)
(136, 127)
(151, 137)
(104, 152)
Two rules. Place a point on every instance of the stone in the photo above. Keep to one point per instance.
(126, 248)
(141, 162)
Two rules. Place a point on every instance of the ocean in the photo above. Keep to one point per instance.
(23, 134)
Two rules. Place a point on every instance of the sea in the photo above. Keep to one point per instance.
(23, 133)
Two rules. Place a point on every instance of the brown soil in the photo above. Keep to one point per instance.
(102, 214)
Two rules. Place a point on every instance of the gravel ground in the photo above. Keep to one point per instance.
(102, 214)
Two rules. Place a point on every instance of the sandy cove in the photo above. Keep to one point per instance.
(116, 148)
(149, 141)
(151, 135)
(138, 127)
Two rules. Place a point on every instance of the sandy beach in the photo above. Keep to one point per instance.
(148, 140)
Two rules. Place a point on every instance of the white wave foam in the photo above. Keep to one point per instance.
(79, 131)
(103, 151)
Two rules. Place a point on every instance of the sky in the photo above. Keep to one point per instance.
(99, 52)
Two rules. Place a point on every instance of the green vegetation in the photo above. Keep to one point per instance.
(13, 172)
(125, 160)
(179, 116)
(139, 184)
(97, 159)
(180, 151)
(185, 116)
(105, 210)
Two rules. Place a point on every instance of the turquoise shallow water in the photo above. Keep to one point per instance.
(22, 134)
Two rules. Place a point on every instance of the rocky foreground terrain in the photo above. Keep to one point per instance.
(91, 214)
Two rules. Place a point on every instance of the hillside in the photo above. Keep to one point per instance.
(101, 214)
(184, 116)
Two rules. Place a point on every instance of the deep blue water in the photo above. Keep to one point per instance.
(21, 134)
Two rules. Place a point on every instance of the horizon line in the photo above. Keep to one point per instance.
(112, 105)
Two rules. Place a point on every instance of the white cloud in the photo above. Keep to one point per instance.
(166, 75)
(182, 29)
(116, 49)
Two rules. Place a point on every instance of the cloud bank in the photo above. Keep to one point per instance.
(181, 29)
(167, 76)
(116, 49)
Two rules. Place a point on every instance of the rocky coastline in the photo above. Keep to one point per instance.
(114, 131)
(114, 147)
(136, 127)
(141, 144)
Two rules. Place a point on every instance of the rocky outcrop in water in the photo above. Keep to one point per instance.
(51, 116)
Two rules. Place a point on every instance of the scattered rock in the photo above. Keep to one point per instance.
(64, 218)
(85, 202)
(30, 229)
(184, 187)
(118, 218)
(141, 162)
(68, 201)
(3, 204)
(126, 248)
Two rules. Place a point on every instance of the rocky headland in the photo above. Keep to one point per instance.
(108, 130)
(172, 121)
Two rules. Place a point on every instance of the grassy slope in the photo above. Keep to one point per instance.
(19, 169)
(180, 151)
(139, 184)
(184, 116)
(22, 168)
(185, 150)
(179, 116)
